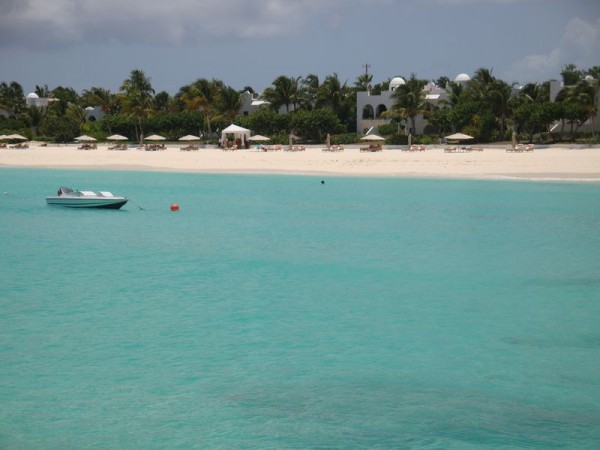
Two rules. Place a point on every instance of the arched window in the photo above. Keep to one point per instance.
(381, 109)
(368, 112)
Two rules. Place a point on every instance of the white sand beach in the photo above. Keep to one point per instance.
(494, 162)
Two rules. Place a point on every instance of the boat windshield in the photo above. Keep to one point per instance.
(64, 190)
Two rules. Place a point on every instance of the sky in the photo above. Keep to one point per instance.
(97, 43)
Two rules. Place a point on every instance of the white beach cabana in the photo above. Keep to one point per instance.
(240, 134)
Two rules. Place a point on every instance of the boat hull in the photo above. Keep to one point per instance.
(80, 202)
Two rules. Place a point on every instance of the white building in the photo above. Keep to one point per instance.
(32, 99)
(251, 102)
(369, 108)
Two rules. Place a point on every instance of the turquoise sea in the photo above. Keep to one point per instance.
(276, 312)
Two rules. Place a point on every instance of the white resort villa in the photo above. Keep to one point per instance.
(369, 107)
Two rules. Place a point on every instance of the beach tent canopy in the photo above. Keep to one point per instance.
(116, 137)
(233, 129)
(155, 137)
(459, 137)
(372, 137)
(237, 131)
(189, 137)
(84, 138)
(258, 138)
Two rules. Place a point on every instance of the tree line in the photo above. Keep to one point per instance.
(486, 107)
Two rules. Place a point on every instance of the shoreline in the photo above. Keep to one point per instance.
(550, 164)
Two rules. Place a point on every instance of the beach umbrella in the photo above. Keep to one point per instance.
(155, 137)
(116, 137)
(16, 136)
(189, 137)
(259, 138)
(372, 137)
(459, 137)
(85, 138)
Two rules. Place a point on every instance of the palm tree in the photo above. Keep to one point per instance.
(480, 85)
(284, 92)
(333, 94)
(363, 82)
(102, 98)
(308, 91)
(228, 103)
(163, 102)
(500, 95)
(579, 104)
(11, 98)
(137, 106)
(138, 82)
(202, 95)
(455, 95)
(137, 99)
(76, 113)
(42, 91)
(410, 100)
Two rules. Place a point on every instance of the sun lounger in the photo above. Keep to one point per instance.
(334, 148)
(474, 149)
(372, 148)
(519, 148)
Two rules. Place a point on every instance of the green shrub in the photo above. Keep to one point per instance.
(388, 129)
(344, 139)
(397, 139)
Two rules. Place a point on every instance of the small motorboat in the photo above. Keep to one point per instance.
(86, 199)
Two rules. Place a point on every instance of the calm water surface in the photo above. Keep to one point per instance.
(276, 312)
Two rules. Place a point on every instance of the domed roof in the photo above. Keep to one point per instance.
(462, 77)
(397, 81)
(589, 78)
(32, 95)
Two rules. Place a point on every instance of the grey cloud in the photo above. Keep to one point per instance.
(580, 45)
(42, 23)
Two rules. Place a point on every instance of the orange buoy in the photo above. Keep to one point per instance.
(174, 207)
